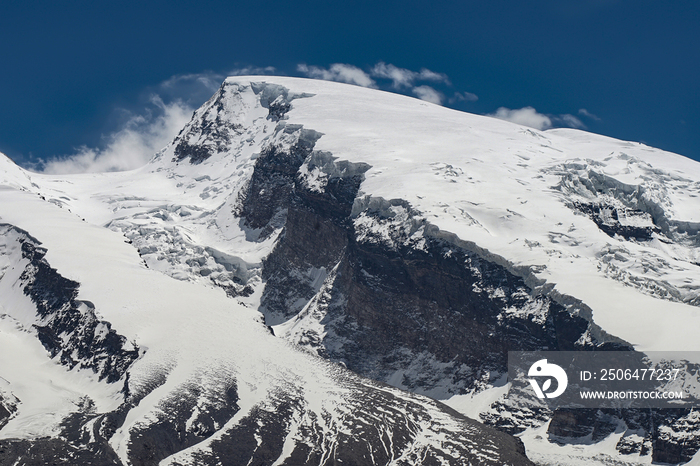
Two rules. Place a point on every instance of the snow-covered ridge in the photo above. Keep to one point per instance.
(297, 197)
(501, 186)
(212, 369)
(45, 303)
(211, 374)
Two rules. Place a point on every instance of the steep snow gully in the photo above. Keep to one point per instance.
(309, 266)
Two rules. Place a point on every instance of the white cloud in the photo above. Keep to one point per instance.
(426, 75)
(253, 71)
(428, 94)
(526, 116)
(588, 114)
(463, 97)
(340, 72)
(571, 121)
(209, 80)
(145, 132)
(402, 77)
(130, 147)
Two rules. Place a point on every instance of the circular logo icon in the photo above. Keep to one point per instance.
(544, 369)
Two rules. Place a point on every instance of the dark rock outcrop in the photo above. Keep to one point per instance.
(394, 289)
(90, 343)
(67, 327)
(373, 436)
(607, 217)
(184, 421)
(395, 295)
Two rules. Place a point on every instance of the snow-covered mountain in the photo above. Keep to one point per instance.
(308, 266)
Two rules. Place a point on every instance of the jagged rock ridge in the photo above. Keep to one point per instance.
(67, 327)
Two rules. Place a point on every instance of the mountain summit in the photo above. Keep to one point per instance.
(318, 273)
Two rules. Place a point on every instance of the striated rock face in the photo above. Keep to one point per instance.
(263, 436)
(170, 433)
(678, 438)
(370, 283)
(269, 190)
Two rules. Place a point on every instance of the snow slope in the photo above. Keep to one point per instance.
(570, 212)
(490, 182)
(494, 183)
(189, 335)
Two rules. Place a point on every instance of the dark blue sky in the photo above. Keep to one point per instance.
(72, 73)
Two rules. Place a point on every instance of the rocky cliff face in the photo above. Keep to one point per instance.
(207, 416)
(68, 328)
(394, 299)
(370, 283)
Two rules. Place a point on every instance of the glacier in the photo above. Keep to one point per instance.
(309, 266)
